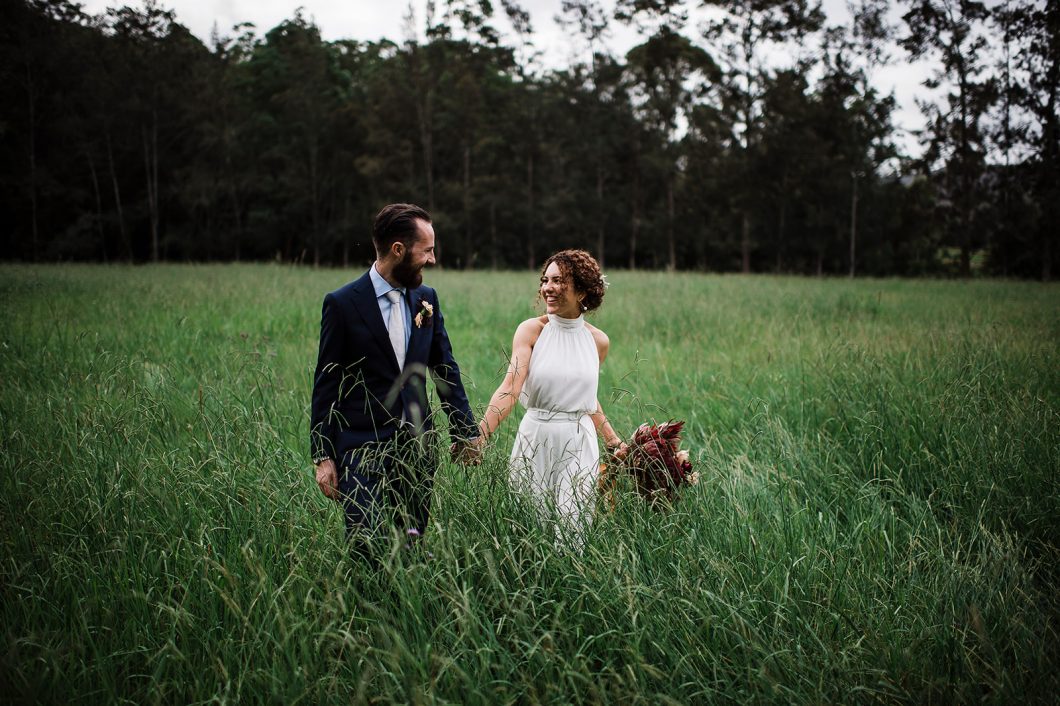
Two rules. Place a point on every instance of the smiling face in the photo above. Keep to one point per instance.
(559, 294)
(419, 254)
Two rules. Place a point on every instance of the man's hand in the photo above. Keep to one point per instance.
(328, 478)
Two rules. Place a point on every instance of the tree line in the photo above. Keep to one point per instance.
(123, 137)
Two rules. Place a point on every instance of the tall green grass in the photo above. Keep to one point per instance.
(877, 519)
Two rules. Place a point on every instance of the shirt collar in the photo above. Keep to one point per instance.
(381, 285)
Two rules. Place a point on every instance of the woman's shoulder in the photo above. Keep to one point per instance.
(603, 343)
(535, 323)
(530, 329)
(598, 334)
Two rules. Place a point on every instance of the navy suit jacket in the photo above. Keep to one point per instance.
(359, 395)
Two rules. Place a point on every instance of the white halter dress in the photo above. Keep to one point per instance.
(555, 458)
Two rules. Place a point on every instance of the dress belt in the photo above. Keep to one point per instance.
(548, 415)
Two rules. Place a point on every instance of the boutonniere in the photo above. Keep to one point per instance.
(426, 311)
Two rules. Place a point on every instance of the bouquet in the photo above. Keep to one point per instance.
(655, 461)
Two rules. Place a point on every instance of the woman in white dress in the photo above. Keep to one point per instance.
(554, 372)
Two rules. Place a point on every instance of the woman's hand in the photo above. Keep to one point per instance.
(618, 451)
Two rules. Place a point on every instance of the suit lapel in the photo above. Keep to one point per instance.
(365, 301)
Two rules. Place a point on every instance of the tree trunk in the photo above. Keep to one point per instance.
(782, 225)
(1050, 155)
(468, 245)
(634, 226)
(966, 256)
(493, 234)
(424, 115)
(745, 242)
(600, 219)
(531, 254)
(964, 201)
(853, 222)
(149, 137)
(150, 193)
(233, 199)
(314, 197)
(345, 228)
(117, 199)
(32, 100)
(672, 264)
(99, 203)
(750, 39)
(1047, 257)
(156, 216)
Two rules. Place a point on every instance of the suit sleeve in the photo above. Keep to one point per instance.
(446, 374)
(323, 431)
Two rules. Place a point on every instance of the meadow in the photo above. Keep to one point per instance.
(878, 519)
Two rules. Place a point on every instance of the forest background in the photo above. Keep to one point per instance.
(123, 137)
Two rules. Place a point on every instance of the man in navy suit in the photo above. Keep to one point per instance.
(371, 427)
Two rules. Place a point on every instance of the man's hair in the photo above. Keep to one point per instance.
(397, 222)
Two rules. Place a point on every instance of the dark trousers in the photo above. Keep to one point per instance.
(386, 486)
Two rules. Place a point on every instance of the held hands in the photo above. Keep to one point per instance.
(468, 453)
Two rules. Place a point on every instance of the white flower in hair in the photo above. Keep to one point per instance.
(603, 281)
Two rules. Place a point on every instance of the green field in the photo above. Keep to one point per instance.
(878, 518)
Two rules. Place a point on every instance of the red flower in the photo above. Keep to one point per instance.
(654, 460)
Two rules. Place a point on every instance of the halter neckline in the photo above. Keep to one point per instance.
(563, 323)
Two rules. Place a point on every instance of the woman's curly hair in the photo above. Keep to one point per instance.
(583, 273)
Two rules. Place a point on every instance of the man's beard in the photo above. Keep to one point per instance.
(406, 274)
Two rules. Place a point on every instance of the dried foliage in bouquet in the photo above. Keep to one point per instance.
(655, 462)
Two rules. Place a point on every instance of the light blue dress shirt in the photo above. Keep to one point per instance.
(381, 288)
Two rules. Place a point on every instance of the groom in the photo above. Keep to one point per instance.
(370, 424)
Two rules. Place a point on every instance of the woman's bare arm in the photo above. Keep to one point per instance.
(603, 427)
(506, 396)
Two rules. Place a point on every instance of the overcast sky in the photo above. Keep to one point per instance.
(377, 19)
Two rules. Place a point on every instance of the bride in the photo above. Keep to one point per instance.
(553, 372)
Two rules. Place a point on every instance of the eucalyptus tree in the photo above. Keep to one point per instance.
(298, 86)
(160, 56)
(590, 20)
(953, 32)
(573, 143)
(369, 138)
(517, 138)
(741, 36)
(39, 57)
(124, 136)
(870, 37)
(707, 166)
(855, 117)
(218, 177)
(1030, 125)
(670, 73)
(425, 62)
(855, 124)
(378, 134)
(105, 86)
(478, 69)
(789, 160)
(84, 98)
(522, 126)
